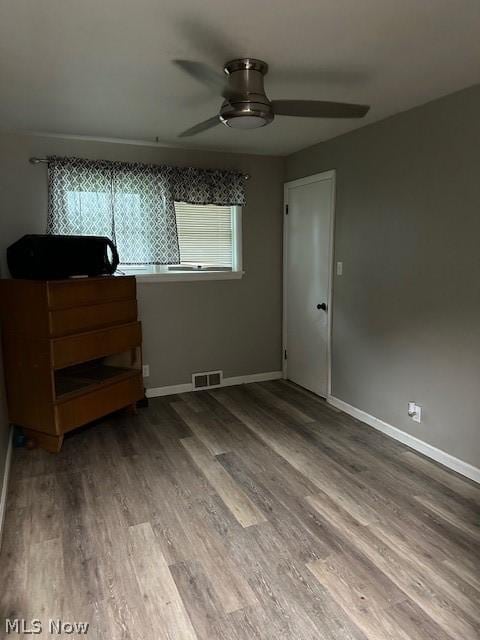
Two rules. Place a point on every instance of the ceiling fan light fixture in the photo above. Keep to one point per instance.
(246, 115)
(245, 122)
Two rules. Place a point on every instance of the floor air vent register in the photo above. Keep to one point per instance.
(207, 379)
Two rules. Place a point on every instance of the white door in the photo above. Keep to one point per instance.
(307, 280)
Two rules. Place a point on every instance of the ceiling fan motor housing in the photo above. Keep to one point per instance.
(247, 107)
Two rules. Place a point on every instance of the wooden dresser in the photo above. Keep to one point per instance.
(71, 351)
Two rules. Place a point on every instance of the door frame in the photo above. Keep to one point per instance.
(317, 177)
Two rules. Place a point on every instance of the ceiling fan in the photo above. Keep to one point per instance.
(246, 105)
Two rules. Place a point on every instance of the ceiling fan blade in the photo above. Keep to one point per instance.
(319, 109)
(206, 75)
(202, 126)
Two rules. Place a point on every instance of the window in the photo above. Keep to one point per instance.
(167, 222)
(209, 238)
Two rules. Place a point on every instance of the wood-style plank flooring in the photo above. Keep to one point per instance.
(247, 512)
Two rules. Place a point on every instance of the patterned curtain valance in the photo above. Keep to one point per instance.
(132, 203)
(207, 186)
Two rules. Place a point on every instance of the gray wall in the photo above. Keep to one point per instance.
(407, 308)
(234, 325)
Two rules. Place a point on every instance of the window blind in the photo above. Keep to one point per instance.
(204, 234)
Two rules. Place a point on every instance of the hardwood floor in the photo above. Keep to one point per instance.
(247, 512)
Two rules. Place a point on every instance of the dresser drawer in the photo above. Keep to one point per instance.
(82, 347)
(85, 318)
(97, 403)
(75, 293)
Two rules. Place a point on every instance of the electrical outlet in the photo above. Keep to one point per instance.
(415, 411)
(146, 370)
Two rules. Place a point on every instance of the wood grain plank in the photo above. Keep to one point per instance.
(284, 524)
(207, 428)
(324, 473)
(270, 400)
(163, 603)
(468, 522)
(405, 574)
(360, 598)
(205, 611)
(239, 504)
(461, 486)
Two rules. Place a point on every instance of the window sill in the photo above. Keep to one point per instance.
(187, 276)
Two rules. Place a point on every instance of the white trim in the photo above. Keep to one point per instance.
(253, 377)
(464, 468)
(317, 177)
(237, 240)
(187, 276)
(155, 392)
(6, 475)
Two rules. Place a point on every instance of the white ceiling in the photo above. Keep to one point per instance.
(103, 67)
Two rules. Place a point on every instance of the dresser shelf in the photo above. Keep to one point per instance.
(75, 381)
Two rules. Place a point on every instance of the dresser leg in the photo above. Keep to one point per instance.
(47, 441)
(132, 409)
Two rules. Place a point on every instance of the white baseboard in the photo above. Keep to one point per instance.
(253, 377)
(6, 475)
(155, 392)
(464, 468)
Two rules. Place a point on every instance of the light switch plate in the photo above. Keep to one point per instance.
(339, 268)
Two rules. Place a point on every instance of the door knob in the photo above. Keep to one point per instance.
(322, 306)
